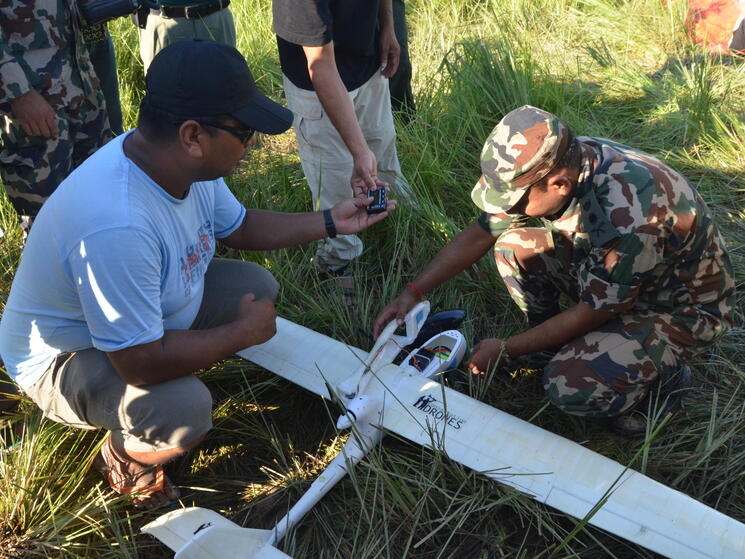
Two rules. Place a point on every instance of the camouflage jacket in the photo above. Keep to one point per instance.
(41, 48)
(642, 236)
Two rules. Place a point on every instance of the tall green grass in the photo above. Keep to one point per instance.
(610, 68)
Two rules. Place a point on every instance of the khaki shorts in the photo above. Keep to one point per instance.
(84, 390)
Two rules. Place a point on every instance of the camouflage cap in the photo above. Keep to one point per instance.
(522, 149)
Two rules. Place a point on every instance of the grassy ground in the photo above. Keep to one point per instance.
(622, 70)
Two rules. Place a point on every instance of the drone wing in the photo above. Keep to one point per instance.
(549, 468)
(554, 470)
(305, 357)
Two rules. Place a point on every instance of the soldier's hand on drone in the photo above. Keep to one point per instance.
(487, 355)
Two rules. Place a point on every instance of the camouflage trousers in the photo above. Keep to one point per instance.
(607, 371)
(32, 167)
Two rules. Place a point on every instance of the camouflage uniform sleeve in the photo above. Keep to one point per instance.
(611, 277)
(496, 224)
(16, 78)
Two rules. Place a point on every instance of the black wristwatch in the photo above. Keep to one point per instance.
(328, 221)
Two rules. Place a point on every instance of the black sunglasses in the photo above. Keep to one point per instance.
(244, 135)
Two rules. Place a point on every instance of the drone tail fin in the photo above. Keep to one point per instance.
(197, 533)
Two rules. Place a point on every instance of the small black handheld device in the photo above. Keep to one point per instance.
(379, 203)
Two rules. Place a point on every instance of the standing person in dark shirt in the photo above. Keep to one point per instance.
(336, 56)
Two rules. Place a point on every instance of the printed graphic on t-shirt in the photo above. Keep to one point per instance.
(197, 257)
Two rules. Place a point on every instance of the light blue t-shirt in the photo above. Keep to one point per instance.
(112, 261)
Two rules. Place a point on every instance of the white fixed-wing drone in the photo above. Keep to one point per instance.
(380, 395)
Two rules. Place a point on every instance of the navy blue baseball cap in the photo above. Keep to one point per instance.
(198, 78)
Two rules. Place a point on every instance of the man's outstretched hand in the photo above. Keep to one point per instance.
(487, 354)
(350, 216)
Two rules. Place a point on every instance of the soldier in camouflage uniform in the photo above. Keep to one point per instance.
(624, 236)
(52, 109)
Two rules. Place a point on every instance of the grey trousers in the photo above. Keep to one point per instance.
(84, 390)
(163, 31)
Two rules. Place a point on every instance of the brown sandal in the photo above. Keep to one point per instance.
(148, 486)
